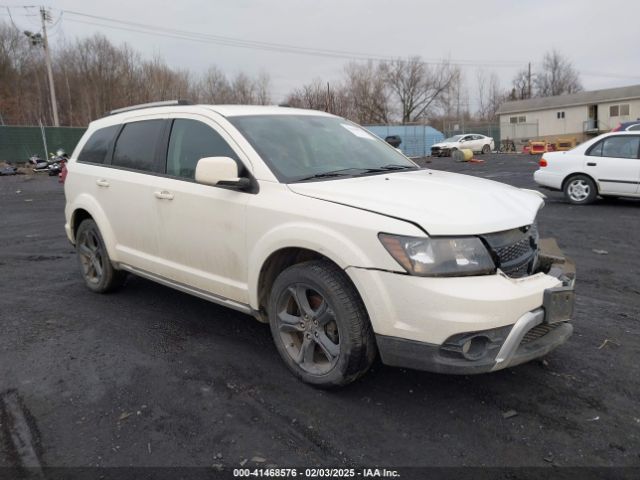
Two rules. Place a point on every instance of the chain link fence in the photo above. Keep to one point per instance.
(488, 129)
(17, 144)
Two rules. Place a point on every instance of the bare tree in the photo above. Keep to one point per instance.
(417, 86)
(520, 85)
(557, 76)
(367, 90)
(490, 95)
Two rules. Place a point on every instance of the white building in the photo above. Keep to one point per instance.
(578, 115)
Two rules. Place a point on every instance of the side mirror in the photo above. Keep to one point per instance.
(219, 171)
(462, 140)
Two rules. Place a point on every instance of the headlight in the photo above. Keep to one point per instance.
(439, 257)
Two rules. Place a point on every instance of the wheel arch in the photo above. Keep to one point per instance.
(295, 243)
(85, 207)
(575, 174)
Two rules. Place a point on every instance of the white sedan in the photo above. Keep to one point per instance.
(471, 141)
(608, 165)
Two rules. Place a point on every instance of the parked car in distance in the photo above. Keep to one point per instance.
(607, 165)
(308, 222)
(472, 141)
(628, 126)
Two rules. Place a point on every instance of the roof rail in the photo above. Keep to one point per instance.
(166, 103)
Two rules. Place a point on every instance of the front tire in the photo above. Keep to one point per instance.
(580, 190)
(486, 149)
(320, 325)
(97, 270)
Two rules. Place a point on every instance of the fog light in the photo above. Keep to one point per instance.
(475, 348)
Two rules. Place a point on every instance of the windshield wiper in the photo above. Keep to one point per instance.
(396, 166)
(353, 171)
(333, 173)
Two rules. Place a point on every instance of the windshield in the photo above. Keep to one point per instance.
(455, 138)
(305, 147)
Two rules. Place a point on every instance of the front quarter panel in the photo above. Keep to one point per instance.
(279, 218)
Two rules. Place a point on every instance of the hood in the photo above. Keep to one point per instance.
(444, 144)
(442, 203)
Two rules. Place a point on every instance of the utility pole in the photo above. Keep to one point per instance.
(529, 81)
(47, 58)
(327, 105)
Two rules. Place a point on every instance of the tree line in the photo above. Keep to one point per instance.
(93, 76)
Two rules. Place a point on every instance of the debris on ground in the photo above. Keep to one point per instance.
(258, 459)
(594, 419)
(509, 414)
(124, 415)
(600, 252)
(8, 170)
(606, 342)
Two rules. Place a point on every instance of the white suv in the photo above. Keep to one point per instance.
(310, 223)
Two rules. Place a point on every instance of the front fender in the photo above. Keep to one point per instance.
(334, 245)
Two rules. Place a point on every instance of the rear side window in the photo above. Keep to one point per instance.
(621, 147)
(626, 146)
(98, 145)
(190, 141)
(136, 145)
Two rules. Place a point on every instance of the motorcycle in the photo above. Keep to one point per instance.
(53, 166)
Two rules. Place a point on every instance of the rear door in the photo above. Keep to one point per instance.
(614, 162)
(129, 189)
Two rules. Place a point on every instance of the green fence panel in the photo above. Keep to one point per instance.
(17, 144)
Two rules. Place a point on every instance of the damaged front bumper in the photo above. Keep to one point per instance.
(533, 334)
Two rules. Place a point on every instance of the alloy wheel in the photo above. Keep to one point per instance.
(308, 328)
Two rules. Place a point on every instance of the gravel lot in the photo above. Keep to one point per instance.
(152, 377)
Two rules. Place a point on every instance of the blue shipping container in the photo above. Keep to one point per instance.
(416, 139)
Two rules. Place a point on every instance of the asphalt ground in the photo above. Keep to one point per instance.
(149, 376)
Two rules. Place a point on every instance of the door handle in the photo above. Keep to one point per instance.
(102, 183)
(163, 195)
(591, 164)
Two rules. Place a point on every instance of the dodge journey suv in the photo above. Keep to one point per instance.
(308, 222)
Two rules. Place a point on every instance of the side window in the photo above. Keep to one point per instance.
(190, 141)
(596, 150)
(634, 127)
(97, 147)
(136, 145)
(621, 147)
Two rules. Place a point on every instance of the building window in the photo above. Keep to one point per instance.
(513, 119)
(619, 110)
(560, 114)
(520, 119)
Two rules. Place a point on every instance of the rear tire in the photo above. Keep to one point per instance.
(580, 190)
(320, 325)
(95, 264)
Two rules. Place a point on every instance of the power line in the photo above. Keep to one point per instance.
(261, 45)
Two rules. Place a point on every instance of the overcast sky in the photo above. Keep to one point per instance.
(601, 38)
